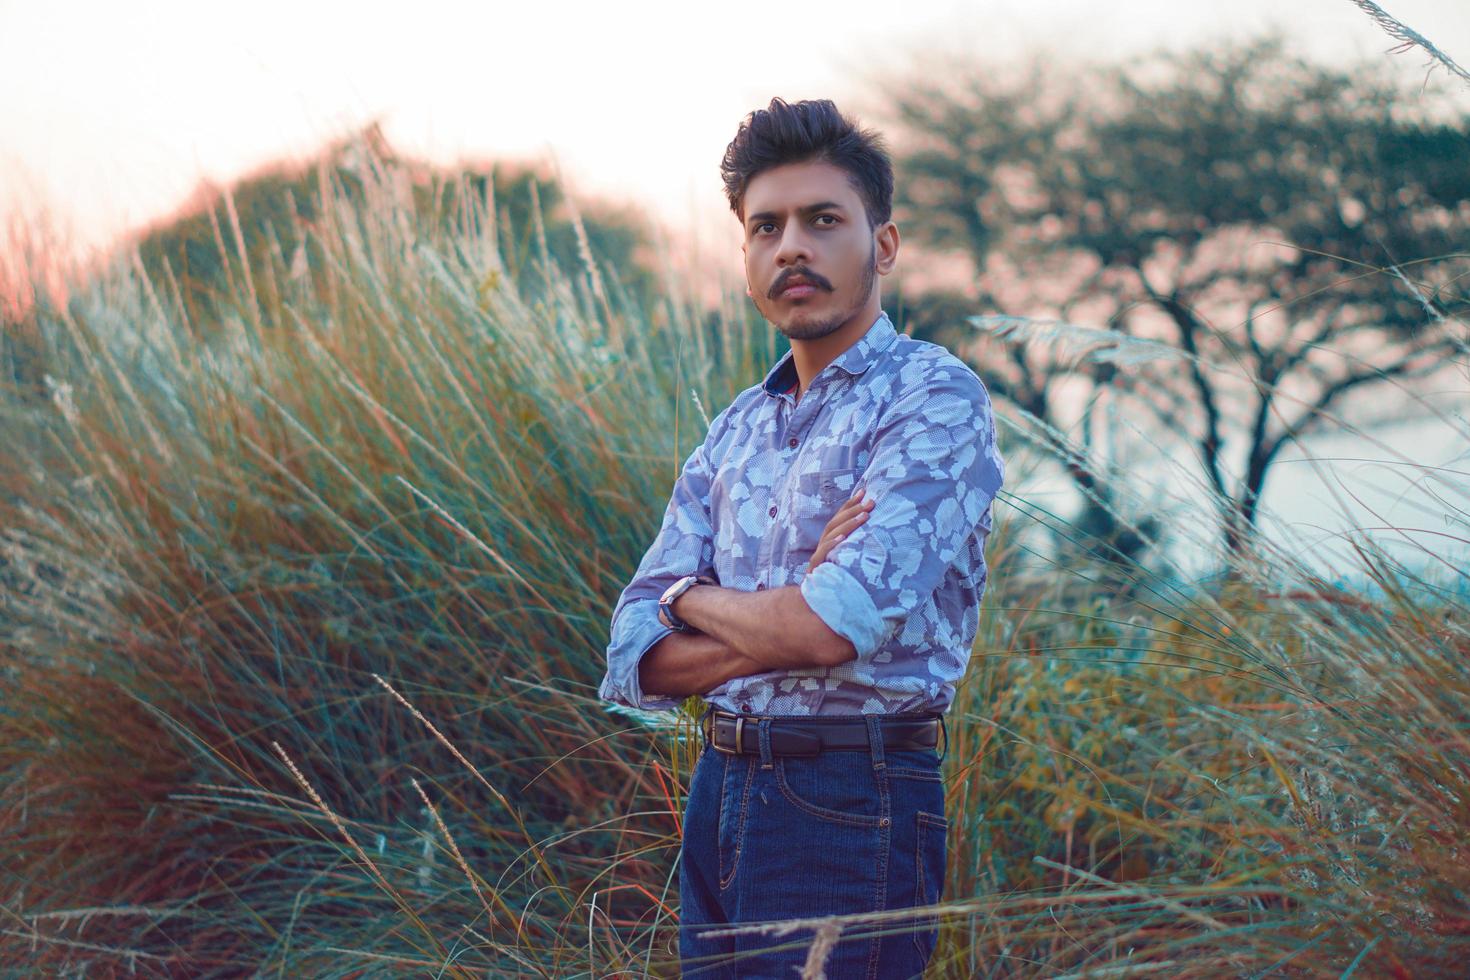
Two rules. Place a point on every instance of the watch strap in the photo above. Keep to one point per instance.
(668, 606)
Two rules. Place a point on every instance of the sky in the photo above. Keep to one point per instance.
(113, 113)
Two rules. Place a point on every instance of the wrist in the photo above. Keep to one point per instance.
(666, 611)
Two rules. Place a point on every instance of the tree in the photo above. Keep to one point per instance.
(1294, 231)
(197, 245)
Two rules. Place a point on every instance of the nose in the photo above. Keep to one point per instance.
(794, 249)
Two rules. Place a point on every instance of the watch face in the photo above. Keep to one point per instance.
(675, 588)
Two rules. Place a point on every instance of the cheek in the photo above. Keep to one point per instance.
(753, 280)
(853, 253)
(855, 262)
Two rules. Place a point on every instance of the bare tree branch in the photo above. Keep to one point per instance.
(1404, 367)
(1184, 173)
(1190, 327)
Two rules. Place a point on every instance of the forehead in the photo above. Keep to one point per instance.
(795, 185)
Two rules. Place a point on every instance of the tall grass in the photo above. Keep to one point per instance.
(404, 463)
(305, 607)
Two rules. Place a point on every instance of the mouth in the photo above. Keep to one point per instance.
(798, 286)
(797, 290)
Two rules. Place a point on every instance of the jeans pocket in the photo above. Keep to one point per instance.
(920, 767)
(931, 837)
(839, 787)
(735, 780)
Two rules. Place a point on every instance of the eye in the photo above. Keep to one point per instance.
(760, 228)
(831, 218)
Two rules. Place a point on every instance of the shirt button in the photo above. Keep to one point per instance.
(792, 444)
(772, 511)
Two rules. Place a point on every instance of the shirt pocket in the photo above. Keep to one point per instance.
(827, 487)
(818, 496)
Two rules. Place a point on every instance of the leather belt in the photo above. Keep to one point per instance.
(738, 734)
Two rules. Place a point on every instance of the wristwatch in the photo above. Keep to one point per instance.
(666, 602)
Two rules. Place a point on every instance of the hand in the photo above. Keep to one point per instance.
(849, 516)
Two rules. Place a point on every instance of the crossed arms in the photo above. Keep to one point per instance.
(776, 626)
(932, 474)
(742, 633)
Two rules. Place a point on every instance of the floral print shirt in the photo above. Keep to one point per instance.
(908, 421)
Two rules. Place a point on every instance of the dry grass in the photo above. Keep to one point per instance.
(305, 607)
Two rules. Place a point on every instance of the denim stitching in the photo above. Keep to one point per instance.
(821, 812)
(921, 892)
(885, 834)
(739, 823)
(720, 823)
(931, 822)
(924, 775)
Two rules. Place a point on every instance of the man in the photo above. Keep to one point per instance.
(817, 578)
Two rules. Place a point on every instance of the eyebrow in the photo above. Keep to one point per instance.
(805, 209)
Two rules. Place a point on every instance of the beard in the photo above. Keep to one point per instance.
(816, 329)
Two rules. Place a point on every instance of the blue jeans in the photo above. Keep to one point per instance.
(770, 837)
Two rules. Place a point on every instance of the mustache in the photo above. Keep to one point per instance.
(816, 279)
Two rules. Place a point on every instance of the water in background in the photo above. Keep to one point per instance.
(1406, 485)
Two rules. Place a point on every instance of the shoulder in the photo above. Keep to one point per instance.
(732, 415)
(941, 411)
(920, 373)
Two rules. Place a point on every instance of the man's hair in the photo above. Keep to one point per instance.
(810, 130)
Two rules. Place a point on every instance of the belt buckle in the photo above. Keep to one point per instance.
(739, 728)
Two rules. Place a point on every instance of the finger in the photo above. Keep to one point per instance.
(827, 547)
(846, 510)
(835, 533)
(836, 519)
(854, 501)
(863, 510)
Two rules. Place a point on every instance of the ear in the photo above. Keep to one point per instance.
(886, 239)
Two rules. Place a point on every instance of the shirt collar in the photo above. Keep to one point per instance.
(854, 361)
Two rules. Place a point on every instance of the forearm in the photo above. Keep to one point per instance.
(775, 628)
(682, 664)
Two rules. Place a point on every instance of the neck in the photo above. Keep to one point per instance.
(810, 357)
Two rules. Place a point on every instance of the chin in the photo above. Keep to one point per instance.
(809, 328)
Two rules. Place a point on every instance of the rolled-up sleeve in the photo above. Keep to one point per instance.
(684, 545)
(934, 471)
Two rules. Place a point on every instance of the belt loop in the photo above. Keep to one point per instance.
(945, 729)
(763, 727)
(875, 740)
(704, 724)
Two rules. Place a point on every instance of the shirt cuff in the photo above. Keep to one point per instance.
(625, 681)
(841, 602)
